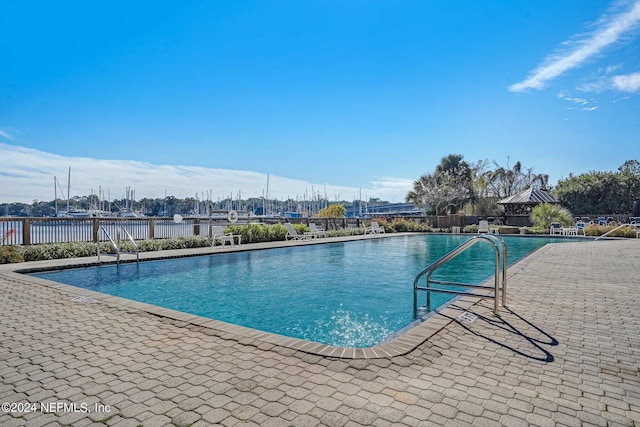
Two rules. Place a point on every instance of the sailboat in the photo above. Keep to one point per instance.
(72, 212)
(69, 213)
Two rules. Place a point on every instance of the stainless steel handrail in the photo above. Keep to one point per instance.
(104, 230)
(135, 245)
(117, 245)
(495, 241)
(616, 229)
(504, 263)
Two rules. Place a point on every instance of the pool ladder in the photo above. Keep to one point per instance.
(117, 245)
(498, 245)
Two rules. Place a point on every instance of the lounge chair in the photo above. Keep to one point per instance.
(367, 230)
(556, 228)
(378, 229)
(580, 228)
(292, 234)
(374, 228)
(317, 231)
(483, 226)
(219, 235)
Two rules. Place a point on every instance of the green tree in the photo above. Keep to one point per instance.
(601, 192)
(332, 211)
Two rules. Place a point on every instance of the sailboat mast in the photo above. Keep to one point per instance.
(68, 189)
(55, 192)
(268, 207)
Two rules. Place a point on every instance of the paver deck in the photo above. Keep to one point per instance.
(566, 351)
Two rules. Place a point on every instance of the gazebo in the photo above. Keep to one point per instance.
(523, 202)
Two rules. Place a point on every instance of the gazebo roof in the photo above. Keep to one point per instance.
(529, 197)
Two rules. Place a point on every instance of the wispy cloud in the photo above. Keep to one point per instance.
(609, 30)
(627, 83)
(624, 98)
(5, 135)
(577, 101)
(574, 100)
(27, 174)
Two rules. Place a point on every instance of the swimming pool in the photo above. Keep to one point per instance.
(349, 294)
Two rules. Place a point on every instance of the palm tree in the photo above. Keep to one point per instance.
(506, 181)
(545, 213)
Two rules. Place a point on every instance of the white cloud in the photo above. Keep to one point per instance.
(580, 101)
(609, 31)
(27, 174)
(627, 83)
(611, 68)
(624, 98)
(5, 135)
(599, 85)
(574, 100)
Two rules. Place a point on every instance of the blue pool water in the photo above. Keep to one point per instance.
(352, 294)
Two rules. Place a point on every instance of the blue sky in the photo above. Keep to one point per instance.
(334, 96)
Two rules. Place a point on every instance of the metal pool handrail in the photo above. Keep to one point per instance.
(135, 245)
(104, 230)
(496, 242)
(617, 228)
(116, 245)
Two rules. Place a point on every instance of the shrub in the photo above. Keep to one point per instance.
(49, 251)
(256, 233)
(301, 228)
(401, 225)
(472, 228)
(277, 232)
(147, 245)
(81, 249)
(10, 254)
(344, 232)
(404, 225)
(599, 230)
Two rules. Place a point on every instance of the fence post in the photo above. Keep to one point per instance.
(152, 228)
(96, 229)
(196, 227)
(26, 231)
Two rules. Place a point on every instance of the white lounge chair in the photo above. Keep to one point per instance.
(317, 231)
(292, 234)
(377, 228)
(374, 228)
(219, 235)
(367, 230)
(483, 226)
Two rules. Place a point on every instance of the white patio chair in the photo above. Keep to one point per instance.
(377, 229)
(218, 235)
(292, 234)
(317, 231)
(556, 228)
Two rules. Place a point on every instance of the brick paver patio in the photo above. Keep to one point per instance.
(566, 351)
